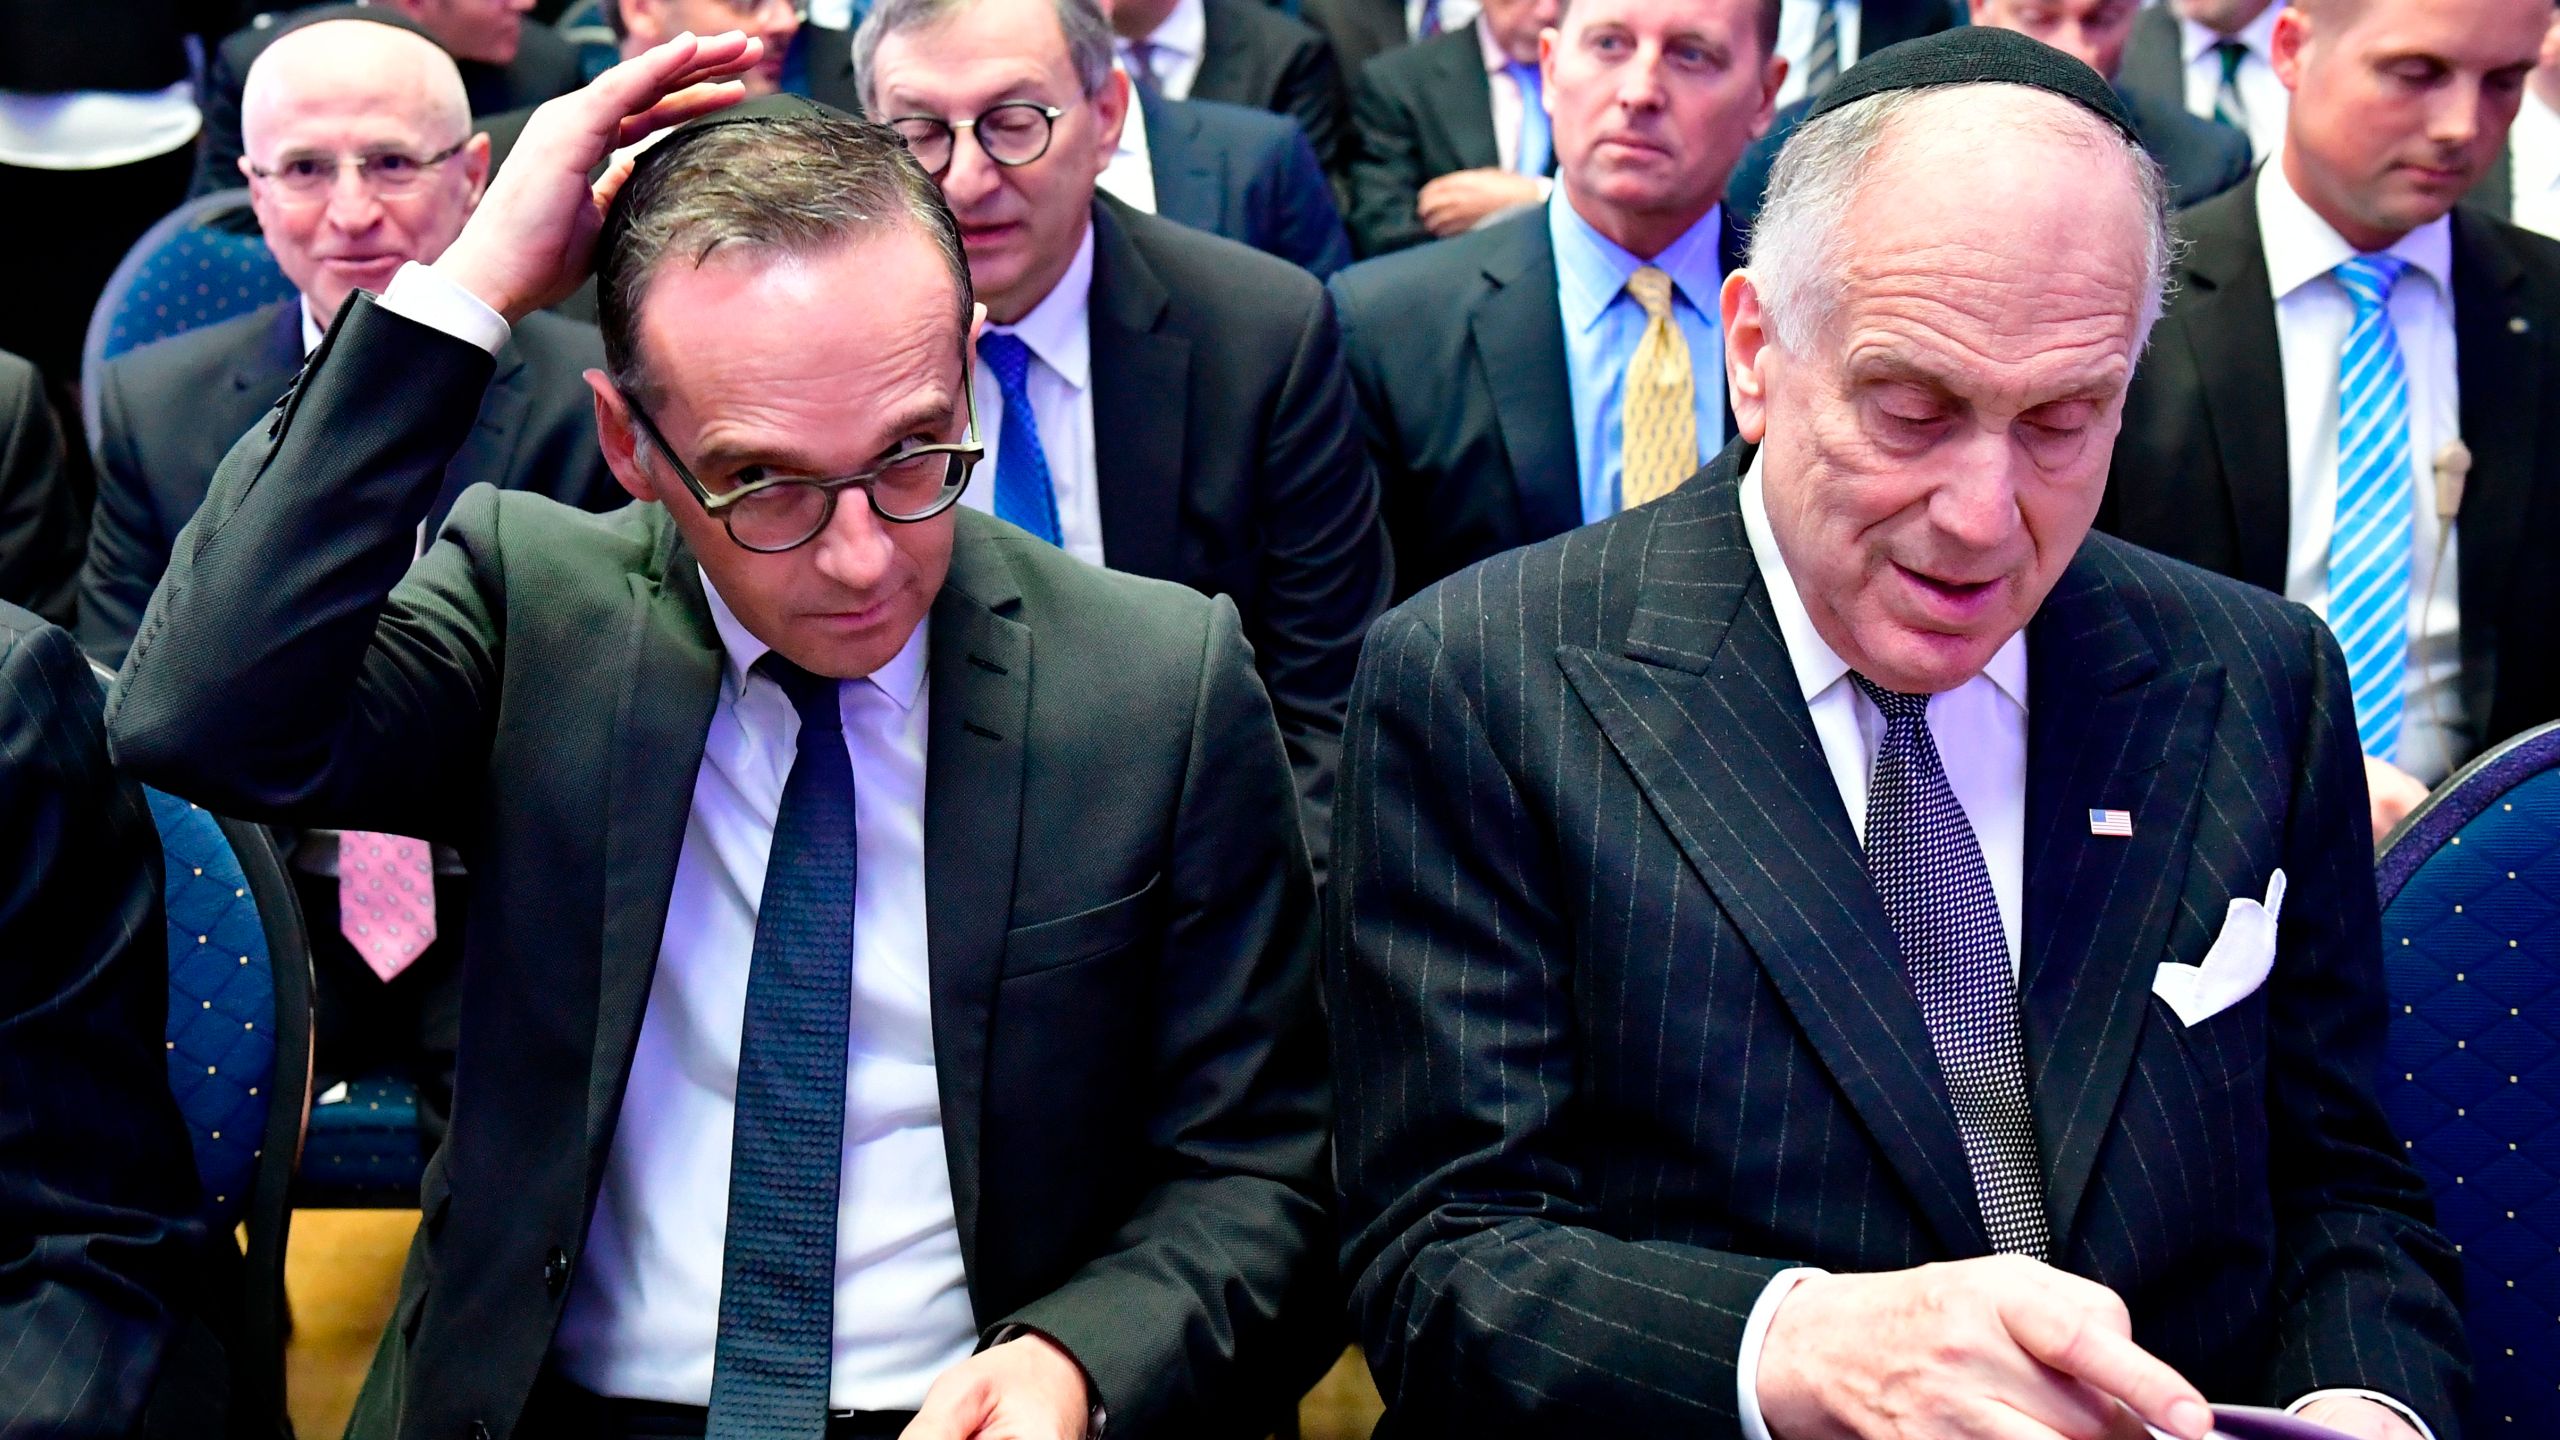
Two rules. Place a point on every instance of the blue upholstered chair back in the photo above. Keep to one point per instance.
(2470, 888)
(202, 262)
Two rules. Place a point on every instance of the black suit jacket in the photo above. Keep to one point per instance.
(1418, 113)
(1456, 350)
(1255, 56)
(1622, 1029)
(1246, 174)
(2152, 66)
(2202, 468)
(1357, 29)
(169, 412)
(39, 512)
(1227, 452)
(97, 1185)
(545, 65)
(1125, 1035)
(826, 62)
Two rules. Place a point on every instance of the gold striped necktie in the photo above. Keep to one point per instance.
(1660, 436)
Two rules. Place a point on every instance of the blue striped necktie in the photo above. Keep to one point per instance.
(2369, 542)
(1534, 151)
(775, 1353)
(1024, 495)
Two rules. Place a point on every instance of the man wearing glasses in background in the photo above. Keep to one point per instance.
(360, 159)
(1151, 398)
(889, 1008)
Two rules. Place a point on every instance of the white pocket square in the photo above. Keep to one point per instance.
(2236, 965)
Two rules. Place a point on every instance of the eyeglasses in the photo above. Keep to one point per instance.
(785, 513)
(384, 172)
(1014, 133)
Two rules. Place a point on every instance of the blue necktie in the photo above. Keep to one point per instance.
(775, 1352)
(1023, 493)
(2370, 541)
(1536, 142)
(1928, 867)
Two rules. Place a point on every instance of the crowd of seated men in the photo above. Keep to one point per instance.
(1021, 709)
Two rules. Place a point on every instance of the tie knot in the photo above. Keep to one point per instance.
(2368, 278)
(1898, 708)
(1652, 288)
(2233, 54)
(1008, 357)
(814, 696)
(1524, 73)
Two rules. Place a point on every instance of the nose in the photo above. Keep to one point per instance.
(2073, 38)
(1974, 508)
(1640, 79)
(353, 207)
(972, 175)
(854, 550)
(2453, 116)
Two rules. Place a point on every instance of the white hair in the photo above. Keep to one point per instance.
(1799, 243)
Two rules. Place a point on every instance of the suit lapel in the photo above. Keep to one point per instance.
(979, 671)
(2498, 354)
(1465, 103)
(2230, 321)
(489, 453)
(263, 371)
(1704, 710)
(1189, 177)
(668, 655)
(2109, 726)
(1141, 379)
(1518, 332)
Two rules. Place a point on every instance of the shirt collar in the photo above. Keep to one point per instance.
(1495, 61)
(2259, 34)
(2301, 247)
(1592, 269)
(1055, 330)
(1818, 667)
(311, 329)
(1184, 34)
(902, 679)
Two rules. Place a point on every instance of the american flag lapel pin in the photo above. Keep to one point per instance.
(2118, 823)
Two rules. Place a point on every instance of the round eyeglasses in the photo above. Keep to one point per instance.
(770, 516)
(310, 175)
(1014, 133)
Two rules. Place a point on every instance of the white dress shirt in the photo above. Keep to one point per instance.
(2313, 315)
(1797, 20)
(1061, 386)
(2533, 152)
(1130, 178)
(1509, 106)
(1453, 13)
(1181, 38)
(2260, 90)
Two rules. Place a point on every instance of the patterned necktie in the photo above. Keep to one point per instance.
(386, 898)
(1927, 865)
(1537, 143)
(1659, 436)
(1428, 24)
(1142, 66)
(1822, 58)
(774, 1356)
(1023, 493)
(2369, 542)
(2228, 106)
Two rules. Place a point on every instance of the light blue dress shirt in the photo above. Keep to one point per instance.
(1603, 324)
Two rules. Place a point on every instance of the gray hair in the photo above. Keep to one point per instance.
(1088, 32)
(794, 185)
(1798, 245)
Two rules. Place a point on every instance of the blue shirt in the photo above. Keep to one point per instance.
(1603, 324)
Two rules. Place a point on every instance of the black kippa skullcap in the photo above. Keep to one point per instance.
(1976, 55)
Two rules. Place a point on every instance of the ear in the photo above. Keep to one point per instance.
(1747, 351)
(1771, 80)
(2284, 48)
(1549, 40)
(475, 163)
(1111, 107)
(619, 438)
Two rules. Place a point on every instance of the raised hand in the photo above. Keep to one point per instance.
(533, 239)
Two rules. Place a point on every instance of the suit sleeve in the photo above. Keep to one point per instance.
(1310, 90)
(1386, 176)
(97, 1188)
(2365, 1294)
(39, 518)
(1486, 1299)
(277, 675)
(128, 537)
(1228, 1254)
(1299, 216)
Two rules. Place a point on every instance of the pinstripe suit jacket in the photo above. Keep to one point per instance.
(1620, 1029)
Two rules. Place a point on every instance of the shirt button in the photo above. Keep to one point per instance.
(555, 1270)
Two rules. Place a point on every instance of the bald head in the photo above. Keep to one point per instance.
(360, 155)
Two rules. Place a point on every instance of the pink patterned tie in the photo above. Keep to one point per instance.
(386, 898)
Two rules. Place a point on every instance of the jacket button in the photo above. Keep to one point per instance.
(555, 1270)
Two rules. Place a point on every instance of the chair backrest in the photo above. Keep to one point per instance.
(2470, 886)
(202, 262)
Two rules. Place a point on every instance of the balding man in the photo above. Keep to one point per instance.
(1754, 1014)
(2349, 402)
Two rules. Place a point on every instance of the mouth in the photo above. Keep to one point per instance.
(1954, 602)
(2438, 177)
(852, 621)
(1635, 143)
(974, 236)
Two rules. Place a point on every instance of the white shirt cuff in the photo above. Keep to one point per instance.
(2376, 1396)
(1755, 1334)
(439, 302)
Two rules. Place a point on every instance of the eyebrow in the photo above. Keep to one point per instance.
(921, 414)
(1900, 370)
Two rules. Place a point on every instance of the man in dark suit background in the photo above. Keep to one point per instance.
(1752, 1016)
(39, 513)
(1246, 174)
(1494, 369)
(1153, 399)
(1451, 131)
(1244, 53)
(1821, 39)
(890, 987)
(2350, 354)
(97, 1185)
(2212, 59)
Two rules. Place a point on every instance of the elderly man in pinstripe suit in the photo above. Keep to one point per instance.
(1812, 957)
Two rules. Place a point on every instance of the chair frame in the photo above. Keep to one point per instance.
(2459, 801)
(202, 210)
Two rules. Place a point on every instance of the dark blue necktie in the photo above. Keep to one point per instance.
(1023, 493)
(776, 1347)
